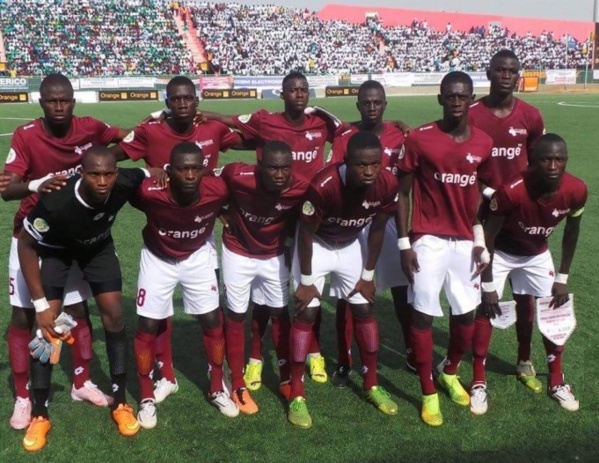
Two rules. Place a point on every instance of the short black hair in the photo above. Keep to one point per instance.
(457, 77)
(362, 140)
(97, 151)
(293, 75)
(186, 147)
(55, 79)
(505, 53)
(180, 81)
(371, 84)
(541, 144)
(275, 146)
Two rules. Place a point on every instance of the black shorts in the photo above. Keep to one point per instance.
(100, 267)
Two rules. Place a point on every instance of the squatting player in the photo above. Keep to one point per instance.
(523, 214)
(371, 104)
(341, 200)
(180, 220)
(515, 126)
(442, 165)
(263, 210)
(71, 226)
(52, 144)
(153, 142)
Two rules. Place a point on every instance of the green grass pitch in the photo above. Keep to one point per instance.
(519, 425)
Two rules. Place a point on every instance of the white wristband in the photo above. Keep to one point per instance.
(403, 244)
(34, 185)
(479, 235)
(488, 286)
(561, 278)
(367, 275)
(488, 192)
(306, 280)
(41, 305)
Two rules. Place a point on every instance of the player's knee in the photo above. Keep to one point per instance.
(78, 310)
(235, 316)
(112, 320)
(308, 315)
(421, 320)
(22, 319)
(465, 319)
(362, 311)
(148, 325)
(279, 312)
(209, 320)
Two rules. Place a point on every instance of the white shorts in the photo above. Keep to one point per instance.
(388, 272)
(532, 275)
(448, 264)
(213, 252)
(267, 280)
(158, 278)
(76, 289)
(345, 264)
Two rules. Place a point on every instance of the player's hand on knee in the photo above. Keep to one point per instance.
(409, 264)
(481, 259)
(490, 304)
(366, 288)
(559, 291)
(304, 295)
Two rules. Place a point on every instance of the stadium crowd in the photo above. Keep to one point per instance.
(131, 37)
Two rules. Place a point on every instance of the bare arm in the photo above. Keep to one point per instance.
(18, 189)
(569, 242)
(306, 291)
(490, 298)
(119, 152)
(222, 118)
(409, 260)
(375, 239)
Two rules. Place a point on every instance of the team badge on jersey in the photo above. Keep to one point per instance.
(129, 138)
(41, 225)
(245, 118)
(12, 155)
(308, 208)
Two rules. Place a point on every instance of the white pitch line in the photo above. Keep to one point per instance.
(15, 118)
(5, 134)
(576, 105)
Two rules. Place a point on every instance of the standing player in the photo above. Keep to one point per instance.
(153, 142)
(515, 126)
(372, 104)
(262, 215)
(341, 200)
(523, 214)
(442, 164)
(180, 220)
(74, 226)
(50, 145)
(307, 136)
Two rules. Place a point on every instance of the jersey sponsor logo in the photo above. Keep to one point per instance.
(282, 207)
(201, 144)
(368, 204)
(130, 136)
(503, 152)
(99, 216)
(69, 172)
(198, 218)
(256, 218)
(462, 180)
(81, 149)
(361, 222)
(326, 180)
(27, 127)
(245, 118)
(402, 152)
(312, 135)
(308, 208)
(156, 188)
(306, 156)
(12, 155)
(558, 212)
(41, 225)
(346, 132)
(515, 132)
(182, 234)
(542, 231)
(391, 151)
(101, 237)
(473, 159)
(515, 184)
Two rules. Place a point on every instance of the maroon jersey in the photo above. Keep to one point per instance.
(529, 222)
(513, 137)
(307, 141)
(34, 154)
(343, 212)
(445, 191)
(261, 219)
(154, 142)
(173, 231)
(391, 138)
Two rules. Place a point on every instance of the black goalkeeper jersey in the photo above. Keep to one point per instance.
(63, 220)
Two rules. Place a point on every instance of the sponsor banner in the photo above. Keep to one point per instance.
(215, 82)
(595, 74)
(137, 82)
(225, 94)
(479, 79)
(322, 81)
(556, 323)
(258, 82)
(275, 93)
(341, 91)
(357, 79)
(98, 82)
(14, 97)
(528, 84)
(395, 79)
(560, 76)
(528, 73)
(429, 78)
(18, 83)
(595, 49)
(128, 95)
